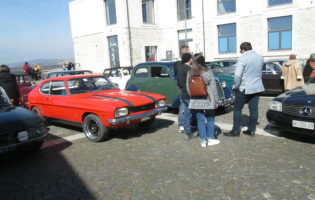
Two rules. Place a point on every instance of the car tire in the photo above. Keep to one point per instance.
(147, 123)
(94, 129)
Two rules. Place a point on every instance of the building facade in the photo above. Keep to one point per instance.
(109, 33)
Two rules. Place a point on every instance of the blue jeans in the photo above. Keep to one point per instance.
(181, 113)
(187, 117)
(240, 99)
(205, 129)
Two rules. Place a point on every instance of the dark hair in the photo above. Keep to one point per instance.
(246, 46)
(198, 66)
(4, 68)
(292, 57)
(183, 47)
(26, 63)
(186, 57)
(197, 54)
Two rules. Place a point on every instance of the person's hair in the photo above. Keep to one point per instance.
(312, 56)
(183, 48)
(26, 63)
(246, 46)
(4, 68)
(197, 54)
(292, 57)
(198, 66)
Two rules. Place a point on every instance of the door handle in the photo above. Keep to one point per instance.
(48, 98)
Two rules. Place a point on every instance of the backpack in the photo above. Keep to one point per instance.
(197, 87)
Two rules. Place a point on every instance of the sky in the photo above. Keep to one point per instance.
(34, 29)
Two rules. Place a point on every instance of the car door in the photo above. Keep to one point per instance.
(140, 79)
(162, 82)
(271, 76)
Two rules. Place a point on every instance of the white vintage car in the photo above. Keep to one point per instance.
(118, 75)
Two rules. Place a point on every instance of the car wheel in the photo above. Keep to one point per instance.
(36, 147)
(94, 129)
(147, 123)
(36, 111)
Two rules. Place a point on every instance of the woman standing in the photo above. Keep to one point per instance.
(203, 107)
(292, 73)
(309, 69)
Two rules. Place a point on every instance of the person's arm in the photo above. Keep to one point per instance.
(298, 71)
(213, 88)
(238, 73)
(182, 78)
(187, 83)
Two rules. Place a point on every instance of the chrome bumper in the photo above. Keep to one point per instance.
(134, 117)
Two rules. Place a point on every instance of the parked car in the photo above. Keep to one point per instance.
(271, 77)
(218, 71)
(119, 75)
(294, 111)
(65, 73)
(94, 103)
(159, 77)
(25, 87)
(21, 129)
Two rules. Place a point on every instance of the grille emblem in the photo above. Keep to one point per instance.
(306, 111)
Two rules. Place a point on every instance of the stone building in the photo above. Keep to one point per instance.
(109, 33)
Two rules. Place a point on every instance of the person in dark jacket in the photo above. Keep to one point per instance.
(307, 71)
(182, 72)
(9, 84)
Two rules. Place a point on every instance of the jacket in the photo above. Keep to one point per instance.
(9, 84)
(206, 103)
(292, 73)
(182, 70)
(248, 73)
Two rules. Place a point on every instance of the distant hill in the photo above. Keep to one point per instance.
(42, 62)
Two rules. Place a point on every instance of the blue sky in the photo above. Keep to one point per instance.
(34, 29)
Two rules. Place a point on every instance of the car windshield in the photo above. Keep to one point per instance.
(89, 84)
(4, 100)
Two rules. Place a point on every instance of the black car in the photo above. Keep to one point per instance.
(294, 111)
(20, 129)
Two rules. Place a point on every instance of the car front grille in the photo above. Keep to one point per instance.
(219, 89)
(295, 110)
(142, 108)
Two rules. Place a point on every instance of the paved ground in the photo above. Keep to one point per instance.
(158, 163)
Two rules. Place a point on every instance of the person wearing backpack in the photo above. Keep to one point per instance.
(204, 99)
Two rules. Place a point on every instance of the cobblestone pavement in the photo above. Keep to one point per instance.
(158, 163)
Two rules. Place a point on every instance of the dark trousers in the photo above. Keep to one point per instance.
(240, 100)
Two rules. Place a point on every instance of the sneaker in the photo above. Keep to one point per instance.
(181, 129)
(211, 142)
(203, 143)
(190, 136)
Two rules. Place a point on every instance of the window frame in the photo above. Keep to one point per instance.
(187, 9)
(280, 31)
(116, 50)
(148, 11)
(279, 4)
(141, 67)
(219, 2)
(228, 37)
(108, 10)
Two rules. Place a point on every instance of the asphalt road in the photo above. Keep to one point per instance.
(159, 163)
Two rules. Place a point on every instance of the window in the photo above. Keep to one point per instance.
(141, 72)
(159, 72)
(227, 38)
(226, 6)
(148, 11)
(183, 9)
(58, 88)
(278, 2)
(150, 53)
(110, 11)
(113, 51)
(185, 38)
(280, 33)
(45, 88)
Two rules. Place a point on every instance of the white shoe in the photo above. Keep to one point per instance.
(211, 142)
(203, 143)
(181, 129)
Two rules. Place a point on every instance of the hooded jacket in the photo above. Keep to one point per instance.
(292, 73)
(9, 84)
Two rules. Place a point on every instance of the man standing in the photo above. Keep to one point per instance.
(248, 86)
(9, 84)
(182, 72)
(183, 49)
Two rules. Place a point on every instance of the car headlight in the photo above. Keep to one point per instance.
(120, 112)
(276, 106)
(160, 103)
(223, 83)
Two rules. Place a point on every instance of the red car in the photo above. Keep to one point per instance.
(94, 103)
(25, 87)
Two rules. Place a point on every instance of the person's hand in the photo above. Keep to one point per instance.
(216, 105)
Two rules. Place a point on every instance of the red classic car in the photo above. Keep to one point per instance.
(94, 103)
(25, 87)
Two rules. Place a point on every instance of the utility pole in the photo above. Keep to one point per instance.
(203, 30)
(129, 34)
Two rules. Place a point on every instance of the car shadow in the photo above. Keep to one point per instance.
(289, 135)
(45, 174)
(137, 131)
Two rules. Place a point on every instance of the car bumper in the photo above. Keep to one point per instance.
(128, 119)
(284, 122)
(21, 145)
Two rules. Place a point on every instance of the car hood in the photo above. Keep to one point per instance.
(122, 98)
(305, 93)
(16, 118)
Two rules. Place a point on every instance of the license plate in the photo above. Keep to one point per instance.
(304, 125)
(144, 119)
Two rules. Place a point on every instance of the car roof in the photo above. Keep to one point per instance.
(70, 71)
(157, 63)
(61, 78)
